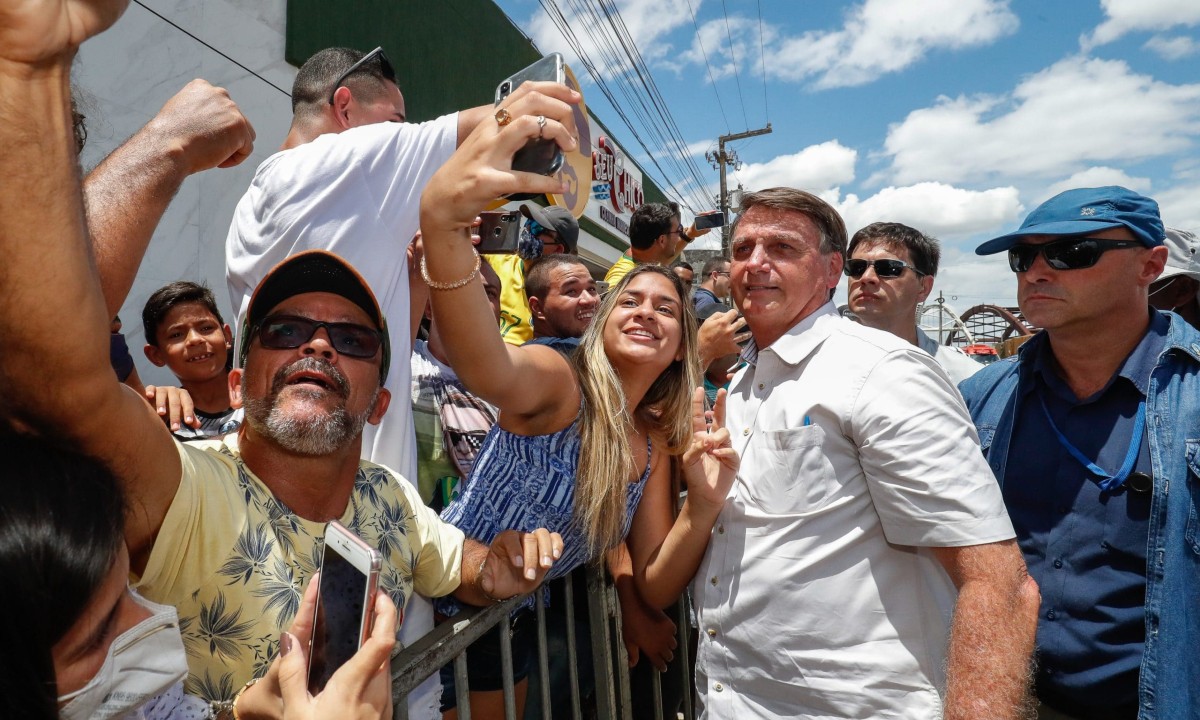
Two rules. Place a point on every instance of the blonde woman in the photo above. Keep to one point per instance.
(581, 447)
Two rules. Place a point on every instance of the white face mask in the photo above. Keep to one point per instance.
(142, 662)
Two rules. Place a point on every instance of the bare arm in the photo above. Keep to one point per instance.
(992, 637)
(644, 629)
(126, 195)
(666, 552)
(524, 381)
(60, 383)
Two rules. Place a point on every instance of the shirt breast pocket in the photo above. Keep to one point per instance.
(795, 476)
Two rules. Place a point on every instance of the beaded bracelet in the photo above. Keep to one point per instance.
(450, 285)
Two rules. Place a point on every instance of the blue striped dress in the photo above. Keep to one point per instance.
(525, 482)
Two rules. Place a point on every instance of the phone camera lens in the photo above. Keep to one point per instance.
(506, 88)
(496, 231)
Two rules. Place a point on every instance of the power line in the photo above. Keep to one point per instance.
(763, 54)
(704, 54)
(210, 47)
(733, 59)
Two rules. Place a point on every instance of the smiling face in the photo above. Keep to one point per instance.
(192, 343)
(885, 302)
(569, 304)
(778, 273)
(645, 326)
(311, 400)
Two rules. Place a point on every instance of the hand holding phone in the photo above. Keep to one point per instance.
(359, 689)
(349, 577)
(540, 155)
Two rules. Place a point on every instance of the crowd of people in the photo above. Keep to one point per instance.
(869, 524)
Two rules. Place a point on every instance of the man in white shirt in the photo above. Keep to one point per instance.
(864, 530)
(891, 271)
(348, 179)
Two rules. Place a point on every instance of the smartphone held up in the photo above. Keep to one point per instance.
(345, 603)
(541, 156)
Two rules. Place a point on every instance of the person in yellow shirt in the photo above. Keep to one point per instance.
(656, 235)
(546, 231)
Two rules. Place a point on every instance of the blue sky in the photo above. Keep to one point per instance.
(955, 116)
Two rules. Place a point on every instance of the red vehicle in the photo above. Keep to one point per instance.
(984, 354)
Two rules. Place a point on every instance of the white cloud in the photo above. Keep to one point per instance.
(1125, 16)
(648, 22)
(967, 279)
(1179, 207)
(1098, 177)
(886, 36)
(1076, 113)
(817, 168)
(940, 210)
(727, 44)
(1172, 48)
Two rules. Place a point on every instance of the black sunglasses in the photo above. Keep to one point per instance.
(1073, 253)
(287, 332)
(886, 268)
(385, 69)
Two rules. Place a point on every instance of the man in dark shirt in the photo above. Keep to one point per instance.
(1085, 429)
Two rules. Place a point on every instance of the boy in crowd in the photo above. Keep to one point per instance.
(185, 333)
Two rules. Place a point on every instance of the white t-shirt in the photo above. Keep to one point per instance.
(957, 364)
(818, 597)
(356, 194)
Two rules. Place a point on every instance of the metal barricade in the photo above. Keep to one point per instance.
(611, 696)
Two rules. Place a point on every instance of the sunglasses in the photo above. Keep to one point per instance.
(385, 69)
(288, 332)
(1073, 253)
(883, 268)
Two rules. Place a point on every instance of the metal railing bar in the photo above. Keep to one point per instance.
(602, 656)
(682, 623)
(656, 692)
(624, 690)
(427, 655)
(542, 651)
(506, 669)
(572, 650)
(462, 692)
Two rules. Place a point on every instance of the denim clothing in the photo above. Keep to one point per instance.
(1169, 681)
(1085, 547)
(704, 298)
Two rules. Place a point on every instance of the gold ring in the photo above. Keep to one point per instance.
(541, 125)
(502, 117)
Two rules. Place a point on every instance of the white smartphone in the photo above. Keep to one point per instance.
(345, 603)
(541, 156)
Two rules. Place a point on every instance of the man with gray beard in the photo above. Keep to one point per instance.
(230, 530)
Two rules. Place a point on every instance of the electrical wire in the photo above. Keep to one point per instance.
(763, 54)
(704, 54)
(210, 47)
(734, 61)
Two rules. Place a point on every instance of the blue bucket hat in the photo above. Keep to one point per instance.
(1087, 210)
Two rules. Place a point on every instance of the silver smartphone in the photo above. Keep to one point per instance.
(345, 603)
(543, 156)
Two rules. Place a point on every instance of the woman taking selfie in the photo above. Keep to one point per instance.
(582, 445)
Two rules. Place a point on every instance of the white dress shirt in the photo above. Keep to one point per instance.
(816, 598)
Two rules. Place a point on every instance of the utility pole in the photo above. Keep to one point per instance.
(720, 161)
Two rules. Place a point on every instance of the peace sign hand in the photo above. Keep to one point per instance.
(710, 463)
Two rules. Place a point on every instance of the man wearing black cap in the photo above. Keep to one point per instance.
(1092, 432)
(547, 230)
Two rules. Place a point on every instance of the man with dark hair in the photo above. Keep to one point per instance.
(348, 179)
(563, 298)
(1178, 287)
(655, 236)
(1092, 431)
(545, 231)
(684, 271)
(862, 498)
(891, 271)
(185, 333)
(714, 288)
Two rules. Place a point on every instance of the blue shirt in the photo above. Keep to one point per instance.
(1086, 548)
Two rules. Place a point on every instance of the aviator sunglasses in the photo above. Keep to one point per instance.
(385, 69)
(1074, 253)
(883, 268)
(287, 332)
